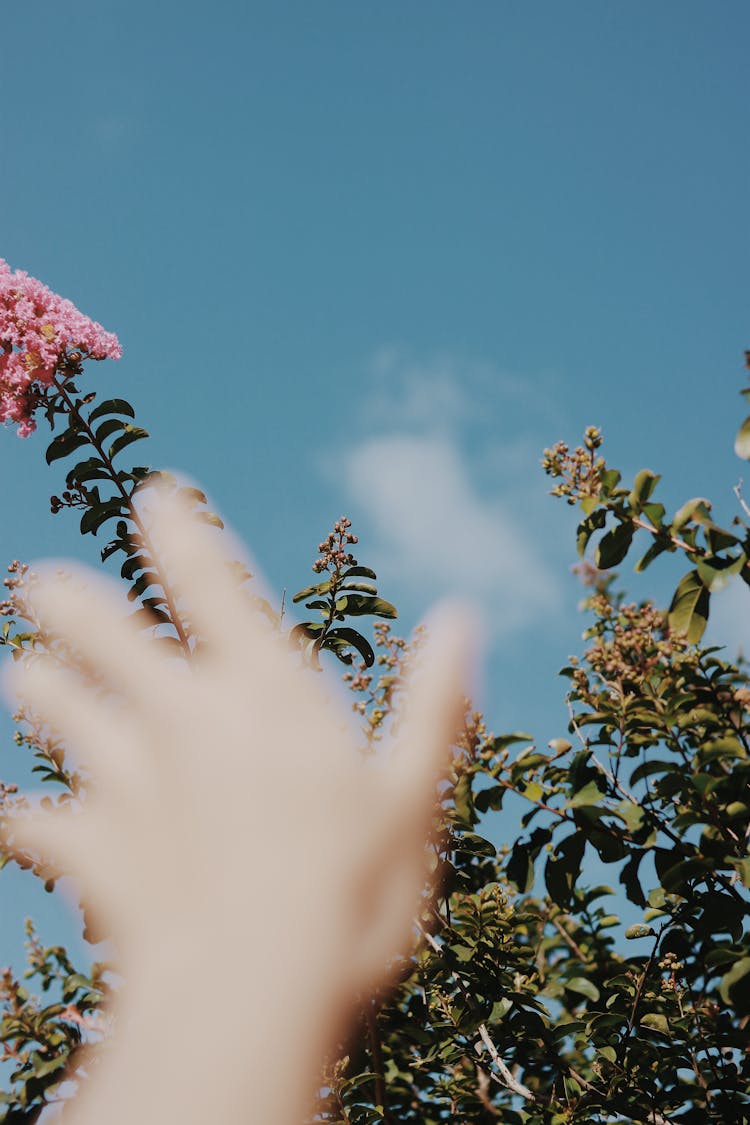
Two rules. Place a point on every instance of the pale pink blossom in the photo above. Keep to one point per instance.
(37, 331)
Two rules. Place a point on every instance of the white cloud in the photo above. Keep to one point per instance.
(436, 535)
(446, 392)
(447, 492)
(418, 396)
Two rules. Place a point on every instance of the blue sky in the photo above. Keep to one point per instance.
(372, 259)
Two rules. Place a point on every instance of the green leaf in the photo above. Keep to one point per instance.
(93, 519)
(561, 872)
(490, 798)
(500, 1010)
(142, 583)
(505, 740)
(610, 478)
(639, 930)
(50, 1066)
(73, 983)
(654, 512)
(110, 426)
(742, 866)
(688, 613)
(590, 794)
(113, 547)
(586, 528)
(614, 546)
(318, 588)
(520, 865)
(111, 406)
(133, 564)
(474, 844)
(358, 605)
(657, 548)
(355, 640)
(742, 441)
(209, 517)
(644, 484)
(698, 509)
(675, 878)
(65, 444)
(583, 986)
(131, 434)
(360, 587)
(93, 468)
(716, 572)
(735, 985)
(630, 881)
(654, 1021)
(718, 538)
(359, 571)
(318, 603)
(192, 495)
(632, 814)
(648, 769)
(148, 616)
(306, 630)
(463, 802)
(520, 868)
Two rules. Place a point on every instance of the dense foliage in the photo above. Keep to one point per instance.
(525, 999)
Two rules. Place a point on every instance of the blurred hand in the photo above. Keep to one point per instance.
(254, 872)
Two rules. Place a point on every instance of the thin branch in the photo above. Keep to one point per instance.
(483, 1093)
(505, 1077)
(638, 522)
(661, 824)
(642, 984)
(373, 1035)
(570, 941)
(737, 490)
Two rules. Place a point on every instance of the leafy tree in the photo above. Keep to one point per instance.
(524, 999)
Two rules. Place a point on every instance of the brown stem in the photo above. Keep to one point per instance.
(661, 824)
(571, 942)
(641, 985)
(505, 1076)
(376, 1052)
(638, 522)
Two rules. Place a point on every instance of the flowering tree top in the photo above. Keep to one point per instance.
(38, 331)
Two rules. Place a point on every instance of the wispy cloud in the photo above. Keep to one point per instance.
(436, 523)
(434, 532)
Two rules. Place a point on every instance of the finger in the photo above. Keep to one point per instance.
(78, 843)
(57, 837)
(102, 739)
(86, 612)
(236, 635)
(61, 839)
(197, 567)
(405, 792)
(431, 716)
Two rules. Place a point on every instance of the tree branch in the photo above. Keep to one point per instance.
(505, 1076)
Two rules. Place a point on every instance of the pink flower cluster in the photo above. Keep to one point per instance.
(37, 329)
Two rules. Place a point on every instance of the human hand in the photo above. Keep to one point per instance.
(236, 847)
